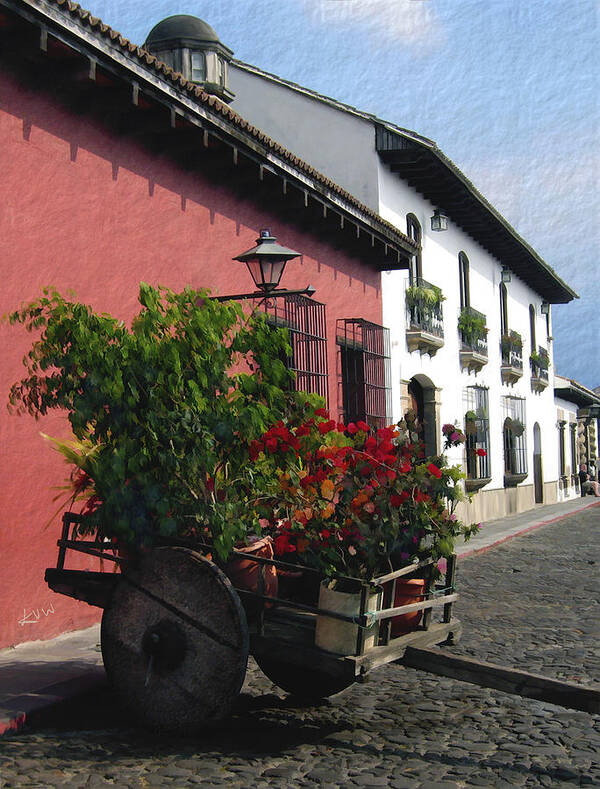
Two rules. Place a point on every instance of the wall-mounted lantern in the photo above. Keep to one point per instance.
(266, 263)
(545, 308)
(506, 275)
(439, 221)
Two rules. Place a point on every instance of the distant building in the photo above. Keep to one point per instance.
(577, 413)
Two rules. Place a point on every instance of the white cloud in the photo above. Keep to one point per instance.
(407, 21)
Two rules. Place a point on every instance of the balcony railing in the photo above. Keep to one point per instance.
(511, 350)
(473, 339)
(539, 362)
(424, 316)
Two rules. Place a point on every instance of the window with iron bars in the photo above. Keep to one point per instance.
(364, 371)
(477, 431)
(305, 321)
(515, 441)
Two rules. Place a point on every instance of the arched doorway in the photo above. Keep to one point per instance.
(422, 398)
(538, 480)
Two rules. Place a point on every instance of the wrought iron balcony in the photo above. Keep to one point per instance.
(539, 362)
(424, 317)
(473, 339)
(511, 349)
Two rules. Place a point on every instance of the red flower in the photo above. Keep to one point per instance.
(322, 412)
(420, 496)
(282, 545)
(326, 427)
(325, 534)
(303, 430)
(434, 470)
(255, 448)
(341, 427)
(363, 426)
(397, 499)
(352, 429)
(481, 452)
(404, 467)
(271, 444)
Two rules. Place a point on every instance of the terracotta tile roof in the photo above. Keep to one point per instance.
(146, 59)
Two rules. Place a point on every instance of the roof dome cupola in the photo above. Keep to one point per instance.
(192, 48)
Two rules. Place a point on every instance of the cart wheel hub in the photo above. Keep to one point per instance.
(165, 644)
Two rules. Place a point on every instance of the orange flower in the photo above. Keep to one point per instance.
(302, 544)
(327, 489)
(328, 511)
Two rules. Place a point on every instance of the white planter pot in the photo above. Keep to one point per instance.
(335, 635)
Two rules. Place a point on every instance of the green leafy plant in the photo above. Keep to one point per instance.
(511, 342)
(471, 325)
(540, 359)
(169, 407)
(424, 296)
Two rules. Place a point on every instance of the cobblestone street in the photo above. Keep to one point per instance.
(531, 603)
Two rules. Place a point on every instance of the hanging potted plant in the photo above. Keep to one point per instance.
(471, 423)
(517, 428)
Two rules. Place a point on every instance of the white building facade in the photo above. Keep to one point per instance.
(494, 384)
(469, 321)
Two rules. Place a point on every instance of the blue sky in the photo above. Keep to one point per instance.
(507, 88)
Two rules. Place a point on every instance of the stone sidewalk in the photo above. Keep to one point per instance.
(39, 675)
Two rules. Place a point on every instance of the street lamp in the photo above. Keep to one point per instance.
(266, 263)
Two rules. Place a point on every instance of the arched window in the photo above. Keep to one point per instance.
(463, 276)
(503, 309)
(413, 231)
(532, 328)
(198, 63)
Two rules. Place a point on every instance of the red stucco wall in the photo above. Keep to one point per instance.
(83, 210)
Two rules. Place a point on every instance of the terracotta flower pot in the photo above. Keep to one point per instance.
(407, 592)
(245, 574)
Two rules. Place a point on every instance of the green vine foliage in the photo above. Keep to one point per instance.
(171, 403)
(472, 326)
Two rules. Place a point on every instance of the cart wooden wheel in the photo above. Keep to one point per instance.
(306, 683)
(175, 640)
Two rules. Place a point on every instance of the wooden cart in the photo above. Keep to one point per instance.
(176, 634)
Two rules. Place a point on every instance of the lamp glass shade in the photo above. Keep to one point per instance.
(545, 308)
(265, 272)
(506, 275)
(439, 221)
